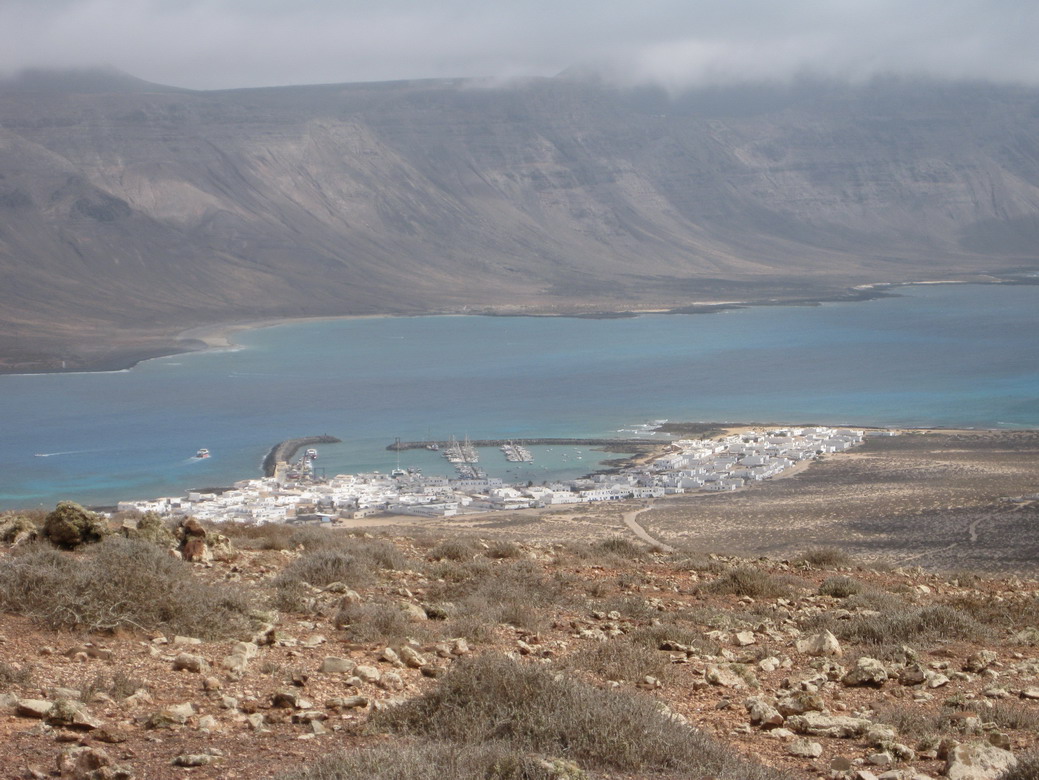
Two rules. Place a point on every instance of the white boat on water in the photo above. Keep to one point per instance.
(202, 453)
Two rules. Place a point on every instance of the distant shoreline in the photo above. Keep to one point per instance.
(219, 335)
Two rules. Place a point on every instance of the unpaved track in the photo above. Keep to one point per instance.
(640, 532)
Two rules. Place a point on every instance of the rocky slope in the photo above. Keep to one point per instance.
(127, 205)
(324, 655)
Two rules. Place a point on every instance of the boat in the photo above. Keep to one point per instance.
(202, 453)
(398, 472)
(311, 454)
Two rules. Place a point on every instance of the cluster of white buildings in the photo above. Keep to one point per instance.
(691, 465)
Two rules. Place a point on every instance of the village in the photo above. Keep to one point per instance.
(686, 466)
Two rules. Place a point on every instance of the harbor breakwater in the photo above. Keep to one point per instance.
(286, 450)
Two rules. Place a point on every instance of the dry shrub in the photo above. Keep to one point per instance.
(753, 582)
(459, 549)
(840, 587)
(265, 536)
(324, 567)
(904, 625)
(376, 622)
(486, 594)
(909, 720)
(120, 583)
(1027, 768)
(532, 708)
(825, 557)
(999, 612)
(426, 760)
(13, 674)
(1013, 715)
(504, 549)
(620, 547)
(620, 661)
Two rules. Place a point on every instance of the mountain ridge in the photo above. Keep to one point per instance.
(130, 212)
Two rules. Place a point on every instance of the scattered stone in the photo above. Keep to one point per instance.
(390, 656)
(821, 644)
(190, 663)
(33, 708)
(174, 715)
(817, 724)
(72, 714)
(745, 638)
(193, 759)
(90, 763)
(867, 671)
(762, 713)
(805, 748)
(726, 678)
(801, 702)
(347, 702)
(1030, 693)
(980, 661)
(412, 657)
(977, 761)
(334, 665)
(368, 674)
(914, 674)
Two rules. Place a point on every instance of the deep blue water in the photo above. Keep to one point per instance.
(950, 355)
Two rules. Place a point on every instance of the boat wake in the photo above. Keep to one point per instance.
(56, 454)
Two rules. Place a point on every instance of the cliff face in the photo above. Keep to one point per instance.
(130, 205)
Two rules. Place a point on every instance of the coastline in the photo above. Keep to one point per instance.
(220, 335)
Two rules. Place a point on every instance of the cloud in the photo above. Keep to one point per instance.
(210, 44)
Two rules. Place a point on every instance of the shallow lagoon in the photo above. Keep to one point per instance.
(948, 355)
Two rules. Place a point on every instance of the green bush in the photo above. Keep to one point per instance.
(532, 708)
(120, 583)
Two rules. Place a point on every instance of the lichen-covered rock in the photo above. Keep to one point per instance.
(70, 525)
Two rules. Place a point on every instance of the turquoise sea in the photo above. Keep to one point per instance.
(940, 355)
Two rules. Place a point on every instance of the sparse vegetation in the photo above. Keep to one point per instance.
(905, 625)
(825, 558)
(13, 674)
(1027, 768)
(425, 760)
(840, 587)
(121, 583)
(620, 660)
(493, 698)
(753, 582)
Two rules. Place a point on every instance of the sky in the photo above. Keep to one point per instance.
(218, 44)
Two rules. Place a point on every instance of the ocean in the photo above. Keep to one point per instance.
(934, 355)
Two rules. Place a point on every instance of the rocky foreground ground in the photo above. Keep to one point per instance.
(314, 653)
